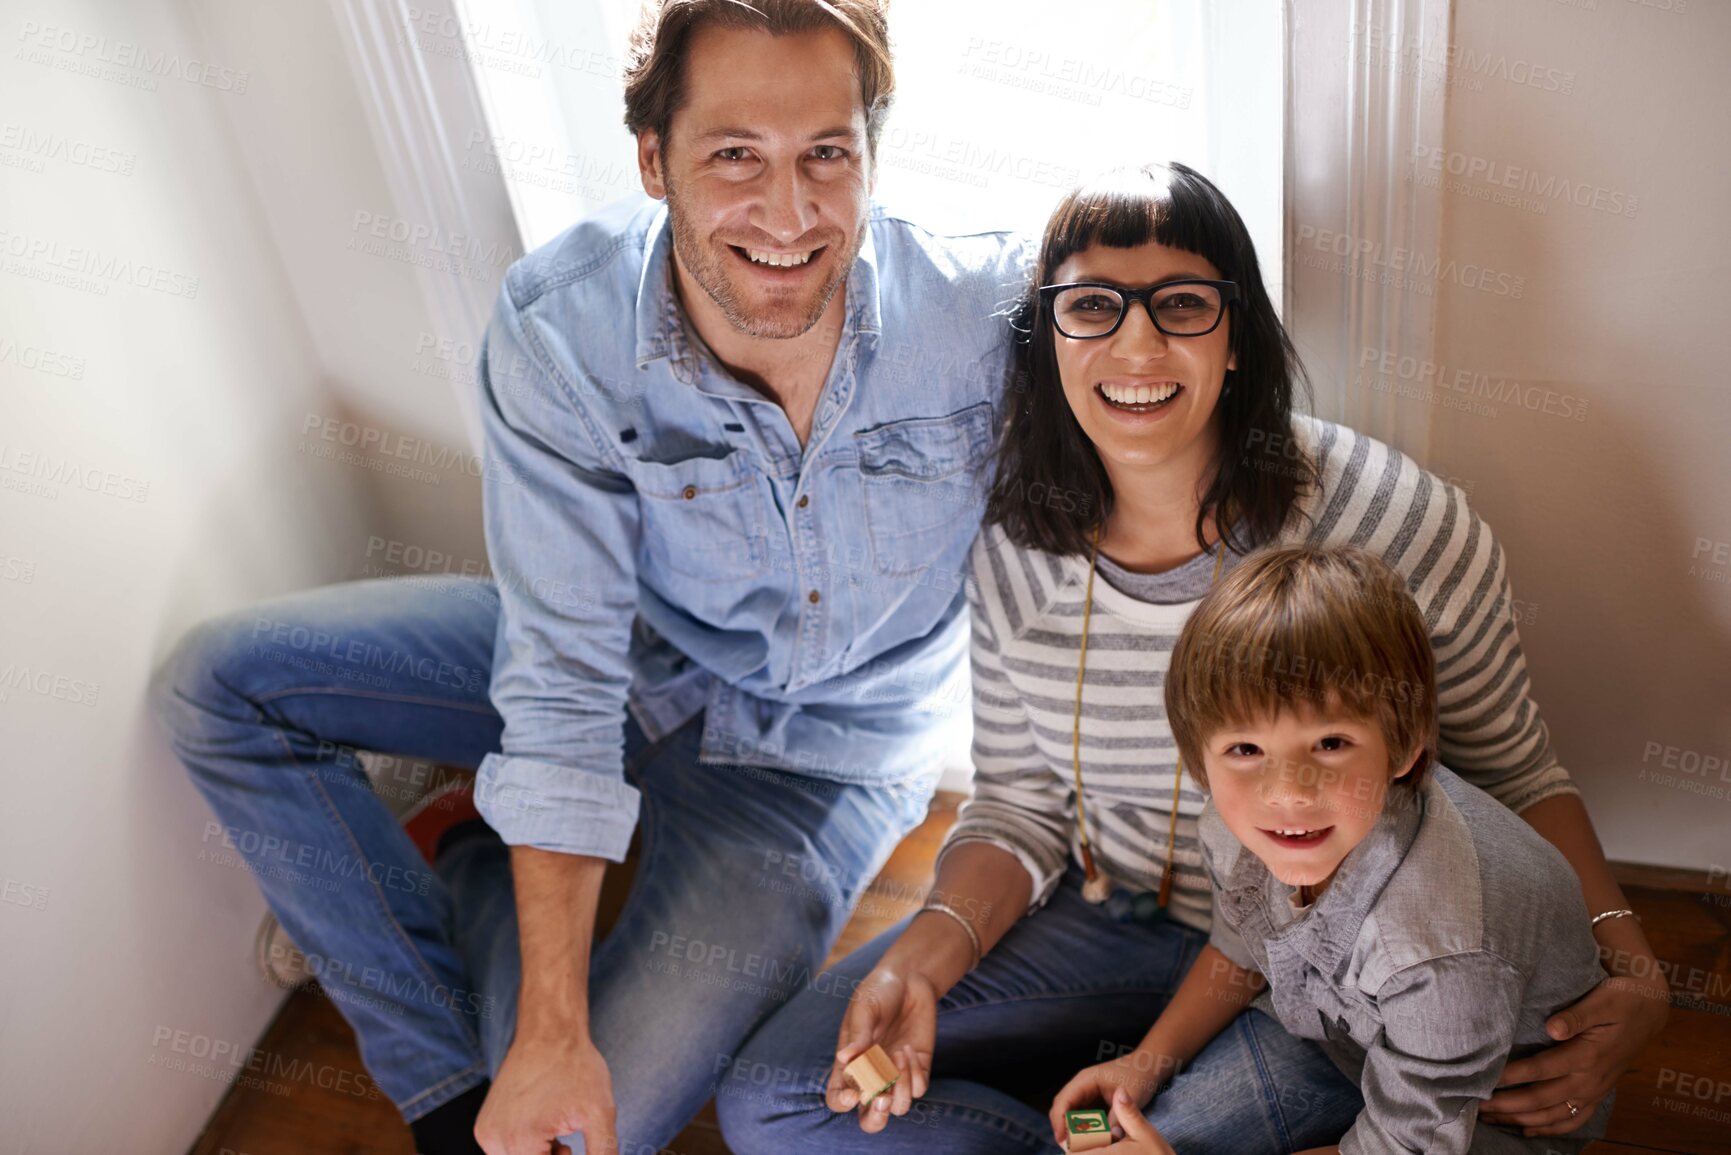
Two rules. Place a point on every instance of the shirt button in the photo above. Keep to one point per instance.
(690, 492)
(804, 500)
(814, 597)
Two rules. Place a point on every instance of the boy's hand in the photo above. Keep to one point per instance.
(1131, 1075)
(1140, 1137)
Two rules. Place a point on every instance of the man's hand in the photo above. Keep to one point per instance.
(1134, 1074)
(1598, 1037)
(553, 1081)
(546, 1089)
(900, 1013)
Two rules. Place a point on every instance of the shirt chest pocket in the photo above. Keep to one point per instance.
(924, 486)
(703, 517)
(1310, 1007)
(1341, 1019)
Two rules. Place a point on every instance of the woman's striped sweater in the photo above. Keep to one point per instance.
(1027, 622)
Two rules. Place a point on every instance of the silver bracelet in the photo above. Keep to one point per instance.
(973, 935)
(1598, 918)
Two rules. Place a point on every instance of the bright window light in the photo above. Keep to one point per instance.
(1000, 106)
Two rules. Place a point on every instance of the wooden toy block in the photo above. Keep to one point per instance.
(872, 1073)
(1089, 1130)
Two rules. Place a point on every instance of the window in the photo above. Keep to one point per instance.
(1000, 106)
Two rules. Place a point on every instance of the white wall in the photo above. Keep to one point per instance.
(396, 365)
(180, 410)
(225, 143)
(1611, 522)
(1552, 241)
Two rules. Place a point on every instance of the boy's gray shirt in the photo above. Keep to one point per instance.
(1445, 940)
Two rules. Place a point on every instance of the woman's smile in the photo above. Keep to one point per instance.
(1131, 399)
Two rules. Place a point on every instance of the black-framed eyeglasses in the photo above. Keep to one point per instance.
(1084, 310)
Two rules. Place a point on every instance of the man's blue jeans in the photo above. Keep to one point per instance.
(746, 876)
(1067, 987)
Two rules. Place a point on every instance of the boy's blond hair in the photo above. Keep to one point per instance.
(1301, 624)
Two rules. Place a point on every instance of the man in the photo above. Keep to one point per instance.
(735, 449)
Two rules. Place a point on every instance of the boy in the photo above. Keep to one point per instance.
(1410, 925)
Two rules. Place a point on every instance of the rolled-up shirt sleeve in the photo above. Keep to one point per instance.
(561, 535)
(1448, 1025)
(1019, 805)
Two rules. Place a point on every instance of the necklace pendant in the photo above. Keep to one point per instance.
(1097, 888)
(1147, 910)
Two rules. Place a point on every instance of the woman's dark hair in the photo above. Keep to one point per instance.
(1043, 454)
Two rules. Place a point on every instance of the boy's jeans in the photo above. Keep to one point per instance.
(1066, 988)
(746, 876)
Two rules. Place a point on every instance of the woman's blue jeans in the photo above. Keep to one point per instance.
(745, 876)
(1067, 987)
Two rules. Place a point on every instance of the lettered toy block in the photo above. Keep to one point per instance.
(1089, 1130)
(872, 1073)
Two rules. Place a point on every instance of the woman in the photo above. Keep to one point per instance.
(1156, 444)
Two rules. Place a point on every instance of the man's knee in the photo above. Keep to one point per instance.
(204, 668)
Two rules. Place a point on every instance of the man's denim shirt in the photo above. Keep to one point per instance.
(660, 538)
(1446, 939)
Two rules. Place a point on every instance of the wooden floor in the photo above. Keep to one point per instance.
(1664, 1103)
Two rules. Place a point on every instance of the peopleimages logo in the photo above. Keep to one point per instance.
(487, 40)
(84, 262)
(40, 359)
(46, 146)
(975, 162)
(1453, 63)
(1400, 267)
(61, 687)
(401, 446)
(125, 54)
(1497, 174)
(1080, 78)
(1409, 376)
(41, 471)
(363, 653)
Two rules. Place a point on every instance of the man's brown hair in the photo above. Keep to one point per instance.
(1304, 624)
(655, 57)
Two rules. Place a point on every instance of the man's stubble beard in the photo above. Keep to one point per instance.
(708, 269)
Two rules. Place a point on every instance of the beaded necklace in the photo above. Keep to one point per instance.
(1098, 886)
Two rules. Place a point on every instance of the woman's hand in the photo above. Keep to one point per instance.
(896, 1005)
(1133, 1075)
(899, 1012)
(1598, 1037)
